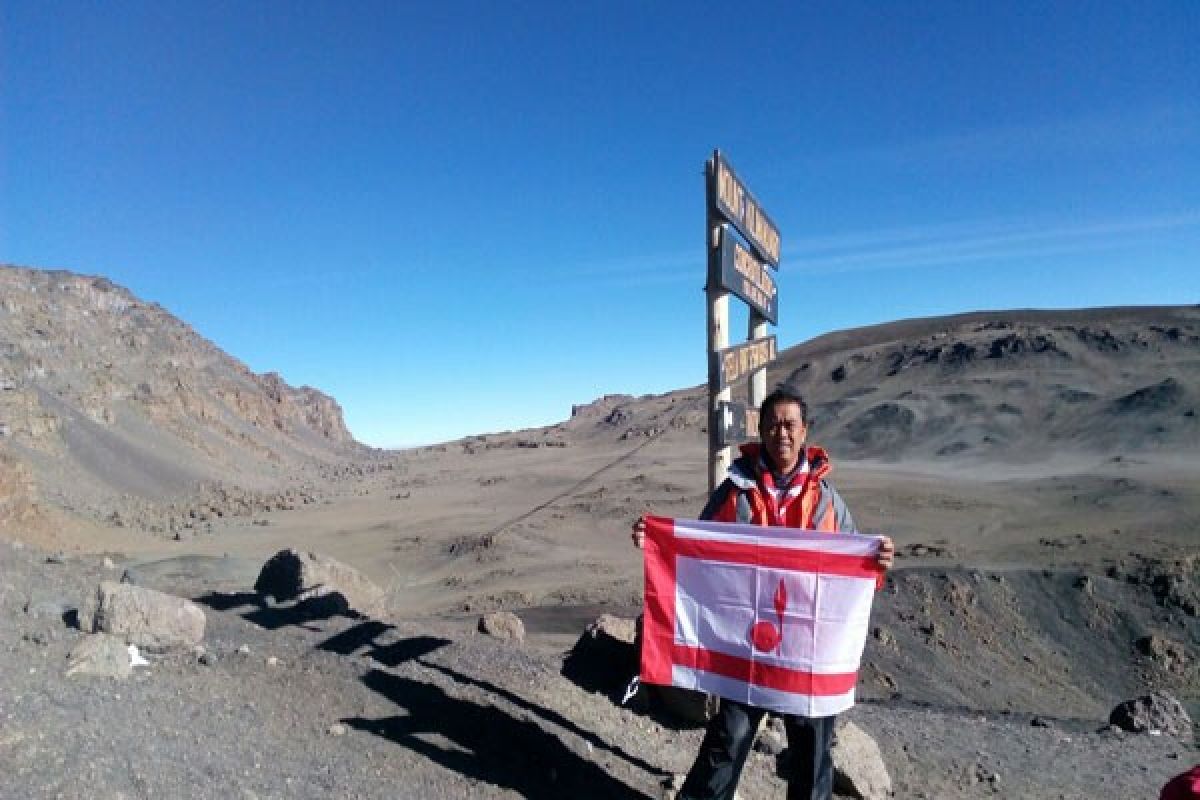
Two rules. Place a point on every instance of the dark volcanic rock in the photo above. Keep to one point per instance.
(294, 575)
(1151, 398)
(1157, 711)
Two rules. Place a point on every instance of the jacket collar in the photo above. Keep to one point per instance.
(744, 472)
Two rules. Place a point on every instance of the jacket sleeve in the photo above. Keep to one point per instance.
(845, 522)
(719, 503)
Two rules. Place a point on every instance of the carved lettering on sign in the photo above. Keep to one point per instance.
(747, 277)
(739, 361)
(736, 203)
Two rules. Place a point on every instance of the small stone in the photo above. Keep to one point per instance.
(108, 563)
(336, 729)
(772, 738)
(272, 661)
(244, 650)
(671, 786)
(100, 654)
(503, 625)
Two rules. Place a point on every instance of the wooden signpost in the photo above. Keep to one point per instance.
(741, 269)
(741, 360)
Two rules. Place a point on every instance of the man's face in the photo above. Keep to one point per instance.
(783, 434)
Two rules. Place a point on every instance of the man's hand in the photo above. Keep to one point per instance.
(887, 553)
(639, 532)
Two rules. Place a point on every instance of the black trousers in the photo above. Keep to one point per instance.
(727, 743)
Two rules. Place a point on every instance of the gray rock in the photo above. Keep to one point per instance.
(858, 764)
(100, 654)
(144, 617)
(609, 645)
(1171, 655)
(670, 786)
(503, 625)
(684, 705)
(47, 605)
(1157, 711)
(294, 575)
(772, 737)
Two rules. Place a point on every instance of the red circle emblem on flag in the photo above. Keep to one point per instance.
(764, 636)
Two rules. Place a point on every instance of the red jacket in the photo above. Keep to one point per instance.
(810, 502)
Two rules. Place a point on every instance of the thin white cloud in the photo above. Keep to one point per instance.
(1151, 127)
(973, 242)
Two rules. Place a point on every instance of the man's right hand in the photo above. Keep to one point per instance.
(639, 532)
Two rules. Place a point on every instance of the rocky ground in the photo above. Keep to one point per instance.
(288, 703)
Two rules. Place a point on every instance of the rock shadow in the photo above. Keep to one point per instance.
(366, 637)
(273, 617)
(546, 714)
(485, 743)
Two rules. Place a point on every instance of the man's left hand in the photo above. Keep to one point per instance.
(887, 553)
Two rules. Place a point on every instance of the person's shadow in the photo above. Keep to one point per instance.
(486, 743)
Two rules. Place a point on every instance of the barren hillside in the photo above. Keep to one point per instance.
(110, 407)
(980, 388)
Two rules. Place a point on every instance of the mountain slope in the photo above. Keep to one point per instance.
(110, 402)
(1008, 386)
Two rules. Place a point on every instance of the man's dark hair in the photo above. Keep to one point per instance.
(783, 394)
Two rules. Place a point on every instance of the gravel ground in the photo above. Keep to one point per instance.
(282, 705)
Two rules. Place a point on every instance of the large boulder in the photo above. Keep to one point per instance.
(605, 656)
(294, 575)
(1157, 711)
(144, 617)
(858, 768)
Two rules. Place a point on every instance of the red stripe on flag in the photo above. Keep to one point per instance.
(767, 676)
(778, 557)
(658, 620)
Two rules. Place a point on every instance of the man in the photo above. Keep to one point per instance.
(779, 482)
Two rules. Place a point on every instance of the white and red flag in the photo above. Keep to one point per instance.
(772, 617)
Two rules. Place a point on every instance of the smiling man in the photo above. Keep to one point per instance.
(779, 482)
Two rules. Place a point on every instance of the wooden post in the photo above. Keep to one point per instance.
(718, 332)
(757, 329)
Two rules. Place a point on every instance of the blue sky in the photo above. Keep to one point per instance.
(460, 217)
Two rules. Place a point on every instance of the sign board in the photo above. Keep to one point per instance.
(747, 277)
(737, 362)
(736, 423)
(735, 203)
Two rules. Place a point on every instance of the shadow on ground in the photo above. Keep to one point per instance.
(485, 743)
(480, 741)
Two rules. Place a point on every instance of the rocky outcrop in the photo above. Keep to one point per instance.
(143, 617)
(291, 575)
(17, 505)
(1157, 711)
(133, 403)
